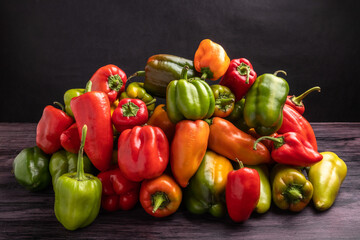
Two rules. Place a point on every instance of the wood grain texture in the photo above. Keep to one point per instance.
(30, 215)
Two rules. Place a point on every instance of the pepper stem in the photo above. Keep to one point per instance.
(209, 121)
(80, 175)
(88, 86)
(297, 100)
(278, 141)
(293, 195)
(184, 72)
(241, 165)
(136, 74)
(151, 102)
(159, 200)
(224, 101)
(204, 75)
(60, 105)
(280, 71)
(244, 69)
(115, 82)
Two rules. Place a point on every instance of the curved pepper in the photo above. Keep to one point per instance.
(63, 162)
(136, 90)
(231, 142)
(189, 99)
(211, 60)
(295, 122)
(52, 123)
(242, 193)
(160, 119)
(206, 190)
(188, 149)
(93, 109)
(224, 100)
(296, 102)
(239, 77)
(109, 79)
(117, 191)
(290, 189)
(264, 103)
(70, 94)
(161, 196)
(31, 169)
(292, 148)
(70, 139)
(236, 117)
(327, 177)
(143, 153)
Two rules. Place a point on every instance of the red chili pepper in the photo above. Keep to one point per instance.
(70, 139)
(109, 79)
(143, 152)
(296, 102)
(242, 192)
(239, 77)
(117, 191)
(93, 109)
(293, 149)
(129, 113)
(295, 122)
(52, 123)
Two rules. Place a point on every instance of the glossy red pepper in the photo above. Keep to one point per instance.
(52, 123)
(143, 152)
(295, 122)
(239, 77)
(109, 79)
(242, 193)
(296, 101)
(117, 191)
(70, 139)
(293, 149)
(93, 109)
(129, 113)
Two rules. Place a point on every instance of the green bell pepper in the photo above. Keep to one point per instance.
(31, 169)
(236, 117)
(136, 90)
(189, 99)
(63, 162)
(70, 94)
(77, 195)
(264, 103)
(206, 189)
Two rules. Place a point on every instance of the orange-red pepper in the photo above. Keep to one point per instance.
(160, 119)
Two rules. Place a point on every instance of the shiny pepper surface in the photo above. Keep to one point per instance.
(160, 119)
(136, 90)
(224, 100)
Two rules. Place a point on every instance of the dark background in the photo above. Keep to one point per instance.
(48, 47)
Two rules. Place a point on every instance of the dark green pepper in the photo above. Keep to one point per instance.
(236, 117)
(136, 90)
(206, 189)
(31, 169)
(63, 162)
(264, 103)
(70, 94)
(189, 99)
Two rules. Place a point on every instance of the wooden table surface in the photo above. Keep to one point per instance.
(30, 215)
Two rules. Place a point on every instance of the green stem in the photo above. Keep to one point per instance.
(241, 165)
(184, 72)
(159, 200)
(136, 74)
(209, 121)
(244, 69)
(224, 101)
(203, 76)
(293, 195)
(278, 141)
(60, 105)
(115, 82)
(280, 71)
(151, 102)
(80, 175)
(88, 86)
(297, 100)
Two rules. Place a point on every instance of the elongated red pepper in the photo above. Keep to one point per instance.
(293, 149)
(296, 102)
(129, 113)
(143, 152)
(295, 122)
(109, 79)
(70, 139)
(93, 109)
(242, 192)
(117, 191)
(52, 123)
(239, 77)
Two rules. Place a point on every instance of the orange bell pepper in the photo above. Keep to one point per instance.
(211, 60)
(160, 119)
(188, 149)
(231, 142)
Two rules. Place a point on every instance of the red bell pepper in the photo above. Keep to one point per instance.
(295, 122)
(117, 191)
(52, 123)
(293, 149)
(143, 152)
(242, 192)
(239, 77)
(70, 139)
(109, 79)
(296, 102)
(93, 109)
(129, 113)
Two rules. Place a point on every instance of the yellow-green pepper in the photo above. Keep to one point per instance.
(137, 90)
(70, 94)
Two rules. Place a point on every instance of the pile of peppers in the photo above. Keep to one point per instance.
(227, 148)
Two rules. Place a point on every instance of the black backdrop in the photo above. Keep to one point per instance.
(49, 46)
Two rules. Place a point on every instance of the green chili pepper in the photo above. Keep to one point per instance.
(31, 169)
(237, 116)
(70, 94)
(264, 103)
(136, 90)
